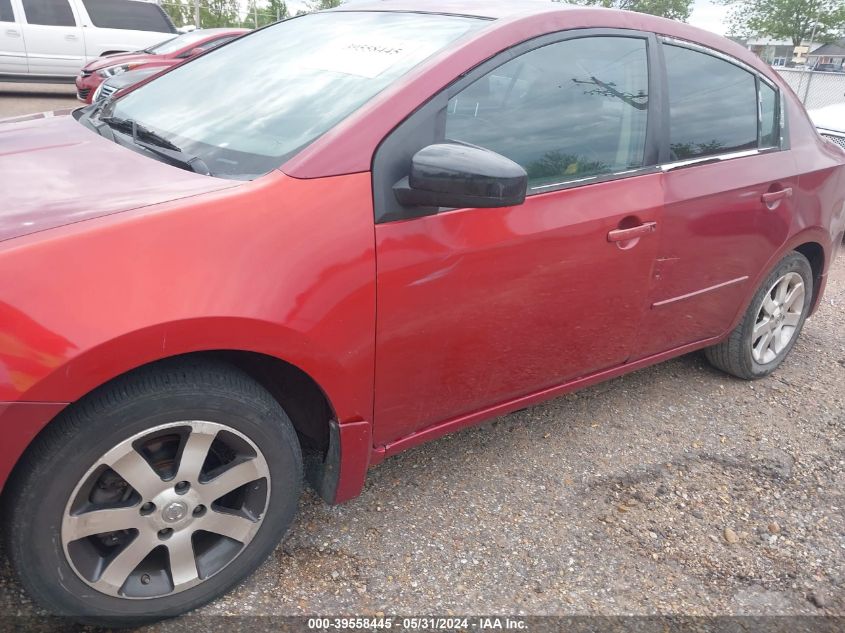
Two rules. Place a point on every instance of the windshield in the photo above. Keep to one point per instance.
(177, 43)
(247, 107)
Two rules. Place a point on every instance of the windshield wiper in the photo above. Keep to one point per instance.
(157, 144)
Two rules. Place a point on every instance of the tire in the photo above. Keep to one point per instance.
(745, 353)
(205, 424)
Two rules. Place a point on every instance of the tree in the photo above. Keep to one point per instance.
(793, 20)
(319, 5)
(673, 9)
(278, 9)
(219, 13)
(180, 11)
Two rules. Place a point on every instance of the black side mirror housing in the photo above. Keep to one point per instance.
(455, 175)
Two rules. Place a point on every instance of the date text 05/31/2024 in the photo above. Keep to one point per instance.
(418, 623)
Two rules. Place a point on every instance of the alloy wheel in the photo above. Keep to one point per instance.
(778, 318)
(165, 509)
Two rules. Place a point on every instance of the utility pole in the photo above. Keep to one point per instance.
(255, 12)
(197, 13)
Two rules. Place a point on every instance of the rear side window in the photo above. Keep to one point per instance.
(48, 12)
(769, 120)
(712, 105)
(128, 14)
(6, 14)
(565, 111)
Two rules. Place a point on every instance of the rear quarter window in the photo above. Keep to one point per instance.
(769, 120)
(129, 15)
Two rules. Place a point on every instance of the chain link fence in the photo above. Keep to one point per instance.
(816, 89)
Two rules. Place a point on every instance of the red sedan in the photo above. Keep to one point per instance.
(164, 55)
(358, 230)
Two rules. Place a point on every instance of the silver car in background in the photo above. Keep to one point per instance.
(830, 122)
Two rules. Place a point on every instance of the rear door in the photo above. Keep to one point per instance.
(477, 307)
(54, 42)
(12, 49)
(729, 188)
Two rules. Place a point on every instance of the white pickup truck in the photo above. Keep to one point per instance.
(50, 40)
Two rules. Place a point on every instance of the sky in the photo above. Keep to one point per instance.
(706, 14)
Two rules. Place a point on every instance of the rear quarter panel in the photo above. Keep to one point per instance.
(820, 195)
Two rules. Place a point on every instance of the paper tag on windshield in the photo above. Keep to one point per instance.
(362, 58)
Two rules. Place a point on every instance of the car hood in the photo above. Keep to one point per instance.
(54, 171)
(123, 58)
(830, 117)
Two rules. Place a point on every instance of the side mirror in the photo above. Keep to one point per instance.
(454, 175)
(196, 51)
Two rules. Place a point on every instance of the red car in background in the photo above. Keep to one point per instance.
(164, 55)
(358, 230)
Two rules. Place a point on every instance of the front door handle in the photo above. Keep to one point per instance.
(623, 235)
(13, 33)
(71, 37)
(771, 198)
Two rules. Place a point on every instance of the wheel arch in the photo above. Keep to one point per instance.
(809, 243)
(815, 254)
(322, 423)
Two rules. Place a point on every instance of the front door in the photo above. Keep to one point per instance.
(728, 198)
(54, 41)
(476, 307)
(12, 49)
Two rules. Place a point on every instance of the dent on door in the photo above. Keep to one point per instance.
(480, 306)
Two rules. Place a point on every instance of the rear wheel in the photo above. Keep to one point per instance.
(772, 323)
(153, 495)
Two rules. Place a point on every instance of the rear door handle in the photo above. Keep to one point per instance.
(775, 196)
(622, 235)
(13, 33)
(70, 37)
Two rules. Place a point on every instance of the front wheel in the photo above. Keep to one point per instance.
(153, 495)
(772, 323)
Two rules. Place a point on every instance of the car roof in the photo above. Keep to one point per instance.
(489, 9)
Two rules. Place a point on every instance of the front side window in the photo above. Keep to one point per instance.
(712, 105)
(247, 107)
(128, 14)
(565, 111)
(6, 13)
(48, 12)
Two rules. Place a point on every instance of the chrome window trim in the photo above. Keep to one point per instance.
(782, 116)
(664, 167)
(674, 41)
(587, 180)
(829, 132)
(716, 158)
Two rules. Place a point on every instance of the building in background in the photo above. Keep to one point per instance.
(781, 52)
(828, 57)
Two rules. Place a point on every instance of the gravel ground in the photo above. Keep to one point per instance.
(673, 490)
(16, 99)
